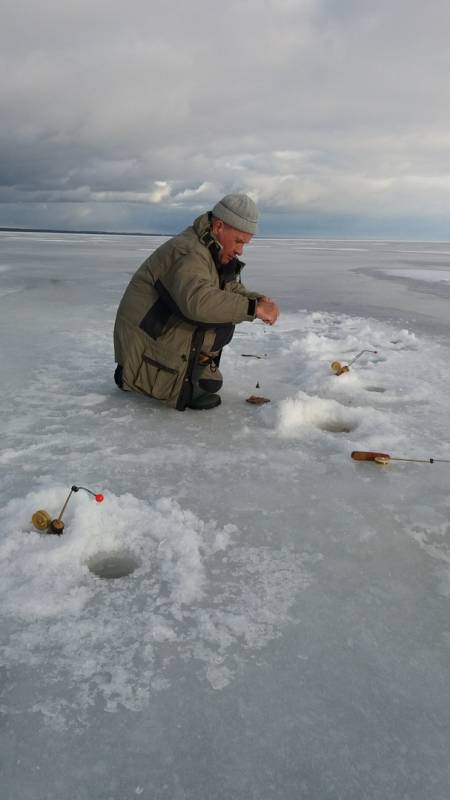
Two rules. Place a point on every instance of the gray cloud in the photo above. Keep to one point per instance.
(119, 114)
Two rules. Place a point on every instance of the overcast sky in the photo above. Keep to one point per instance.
(333, 114)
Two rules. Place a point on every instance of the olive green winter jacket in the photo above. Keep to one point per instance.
(173, 308)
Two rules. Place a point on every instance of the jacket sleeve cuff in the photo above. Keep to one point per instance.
(252, 308)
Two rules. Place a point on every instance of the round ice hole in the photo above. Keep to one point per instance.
(112, 565)
(336, 426)
(379, 389)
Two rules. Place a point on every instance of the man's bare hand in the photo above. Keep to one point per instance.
(267, 310)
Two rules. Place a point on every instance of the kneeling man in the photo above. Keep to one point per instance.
(180, 308)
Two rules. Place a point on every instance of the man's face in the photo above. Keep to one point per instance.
(232, 240)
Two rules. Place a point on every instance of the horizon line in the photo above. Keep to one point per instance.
(6, 229)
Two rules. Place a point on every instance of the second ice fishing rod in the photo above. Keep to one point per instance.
(339, 368)
(43, 522)
(385, 458)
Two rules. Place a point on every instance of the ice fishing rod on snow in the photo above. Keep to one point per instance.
(339, 368)
(42, 520)
(385, 458)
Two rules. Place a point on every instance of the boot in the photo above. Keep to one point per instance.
(204, 402)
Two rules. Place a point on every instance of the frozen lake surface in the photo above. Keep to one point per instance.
(283, 631)
(422, 274)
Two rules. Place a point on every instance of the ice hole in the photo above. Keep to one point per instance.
(336, 426)
(112, 565)
(379, 389)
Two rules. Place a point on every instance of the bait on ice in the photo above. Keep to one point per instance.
(43, 522)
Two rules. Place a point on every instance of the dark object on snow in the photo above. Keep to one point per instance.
(257, 401)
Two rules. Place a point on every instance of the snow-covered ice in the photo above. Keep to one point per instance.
(283, 630)
(422, 274)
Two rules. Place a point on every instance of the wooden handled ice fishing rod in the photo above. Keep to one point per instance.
(385, 458)
(339, 368)
(42, 520)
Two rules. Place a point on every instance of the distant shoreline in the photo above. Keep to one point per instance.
(64, 230)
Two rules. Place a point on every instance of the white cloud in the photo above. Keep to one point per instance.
(310, 105)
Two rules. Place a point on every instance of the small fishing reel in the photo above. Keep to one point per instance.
(43, 522)
(339, 368)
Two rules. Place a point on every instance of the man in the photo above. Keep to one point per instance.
(180, 308)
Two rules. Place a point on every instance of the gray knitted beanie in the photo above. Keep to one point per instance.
(237, 210)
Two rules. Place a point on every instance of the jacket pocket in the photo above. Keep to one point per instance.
(155, 319)
(156, 379)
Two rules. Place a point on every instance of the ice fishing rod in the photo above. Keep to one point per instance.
(339, 368)
(42, 520)
(385, 458)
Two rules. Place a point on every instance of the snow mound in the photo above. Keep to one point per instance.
(193, 592)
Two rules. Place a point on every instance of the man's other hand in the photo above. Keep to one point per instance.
(267, 310)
